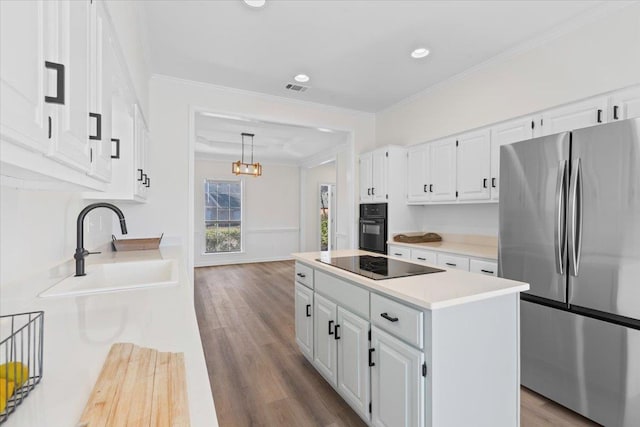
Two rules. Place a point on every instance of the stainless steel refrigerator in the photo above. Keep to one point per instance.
(570, 227)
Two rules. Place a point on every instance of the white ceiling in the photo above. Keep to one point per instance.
(219, 138)
(356, 52)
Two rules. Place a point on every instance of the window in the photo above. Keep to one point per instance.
(223, 216)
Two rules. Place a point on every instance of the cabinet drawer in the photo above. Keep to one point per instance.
(483, 267)
(453, 261)
(304, 275)
(404, 322)
(422, 256)
(399, 252)
(349, 296)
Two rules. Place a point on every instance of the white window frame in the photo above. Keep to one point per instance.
(242, 225)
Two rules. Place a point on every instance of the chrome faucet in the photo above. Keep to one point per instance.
(81, 252)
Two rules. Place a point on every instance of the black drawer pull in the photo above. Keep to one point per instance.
(430, 188)
(424, 189)
(337, 329)
(308, 308)
(397, 254)
(117, 155)
(450, 264)
(371, 350)
(422, 259)
(615, 112)
(98, 135)
(301, 275)
(487, 271)
(484, 182)
(330, 327)
(140, 177)
(389, 318)
(59, 68)
(373, 191)
(368, 191)
(493, 183)
(599, 116)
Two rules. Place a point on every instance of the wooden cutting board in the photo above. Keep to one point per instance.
(138, 387)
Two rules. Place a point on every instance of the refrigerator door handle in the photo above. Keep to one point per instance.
(560, 228)
(575, 218)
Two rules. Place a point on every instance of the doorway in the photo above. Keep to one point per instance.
(327, 217)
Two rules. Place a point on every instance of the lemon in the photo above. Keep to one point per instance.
(6, 390)
(16, 372)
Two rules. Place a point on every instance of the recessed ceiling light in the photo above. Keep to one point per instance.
(421, 52)
(255, 3)
(301, 78)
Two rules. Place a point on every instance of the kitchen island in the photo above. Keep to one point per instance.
(79, 330)
(438, 349)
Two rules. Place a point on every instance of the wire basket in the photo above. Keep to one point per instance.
(22, 339)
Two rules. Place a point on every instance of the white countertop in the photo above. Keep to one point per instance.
(458, 248)
(430, 291)
(78, 332)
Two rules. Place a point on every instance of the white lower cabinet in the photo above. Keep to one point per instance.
(304, 319)
(352, 336)
(325, 355)
(420, 256)
(397, 382)
(399, 251)
(453, 261)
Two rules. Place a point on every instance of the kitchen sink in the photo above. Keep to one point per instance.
(115, 277)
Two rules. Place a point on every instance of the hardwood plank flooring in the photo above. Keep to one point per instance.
(257, 374)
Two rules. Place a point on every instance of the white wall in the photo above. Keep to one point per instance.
(323, 174)
(460, 219)
(597, 57)
(171, 100)
(271, 212)
(38, 230)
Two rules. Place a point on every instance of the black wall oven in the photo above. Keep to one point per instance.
(373, 227)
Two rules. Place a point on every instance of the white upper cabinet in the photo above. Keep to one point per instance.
(474, 165)
(417, 173)
(70, 37)
(589, 112)
(442, 170)
(625, 104)
(373, 176)
(22, 74)
(101, 60)
(507, 133)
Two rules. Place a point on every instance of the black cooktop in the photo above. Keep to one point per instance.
(379, 268)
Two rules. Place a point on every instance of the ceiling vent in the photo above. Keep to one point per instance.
(296, 87)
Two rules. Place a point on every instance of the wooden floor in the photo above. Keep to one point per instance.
(257, 374)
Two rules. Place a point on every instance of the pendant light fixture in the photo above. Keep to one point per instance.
(242, 168)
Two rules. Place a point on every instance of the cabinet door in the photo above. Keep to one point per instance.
(101, 58)
(503, 134)
(352, 335)
(304, 319)
(325, 355)
(417, 167)
(397, 382)
(421, 256)
(399, 251)
(474, 165)
(575, 116)
(22, 74)
(453, 261)
(625, 104)
(442, 170)
(366, 167)
(379, 176)
(70, 38)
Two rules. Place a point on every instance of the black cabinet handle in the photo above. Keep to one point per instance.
(421, 259)
(599, 117)
(301, 275)
(484, 182)
(615, 112)
(424, 189)
(59, 69)
(397, 254)
(450, 264)
(371, 350)
(389, 318)
(487, 271)
(308, 308)
(493, 183)
(330, 327)
(337, 337)
(368, 191)
(430, 188)
(147, 182)
(98, 135)
(140, 177)
(117, 155)
(373, 191)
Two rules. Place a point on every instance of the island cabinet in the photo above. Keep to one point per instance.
(402, 363)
